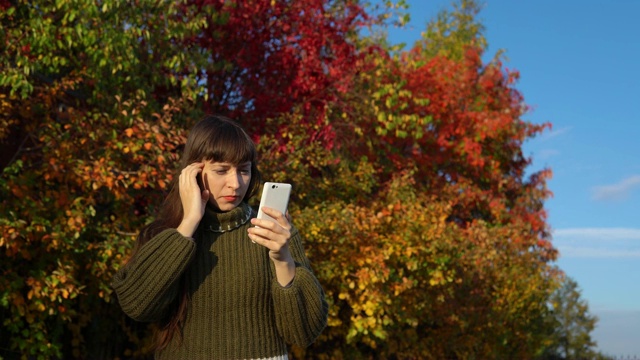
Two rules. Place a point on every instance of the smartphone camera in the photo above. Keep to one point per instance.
(273, 186)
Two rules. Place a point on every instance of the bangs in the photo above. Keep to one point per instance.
(231, 145)
(220, 139)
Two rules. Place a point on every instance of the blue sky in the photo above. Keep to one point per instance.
(580, 70)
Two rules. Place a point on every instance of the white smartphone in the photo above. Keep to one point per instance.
(276, 196)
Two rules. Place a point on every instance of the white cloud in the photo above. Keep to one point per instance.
(599, 233)
(547, 153)
(598, 242)
(619, 191)
(555, 133)
(596, 252)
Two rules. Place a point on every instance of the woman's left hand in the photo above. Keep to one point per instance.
(272, 235)
(275, 237)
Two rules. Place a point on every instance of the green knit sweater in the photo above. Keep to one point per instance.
(237, 309)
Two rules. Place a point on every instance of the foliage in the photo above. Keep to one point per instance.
(93, 142)
(431, 242)
(571, 338)
(408, 170)
(96, 97)
(451, 29)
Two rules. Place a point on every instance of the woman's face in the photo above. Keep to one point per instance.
(227, 183)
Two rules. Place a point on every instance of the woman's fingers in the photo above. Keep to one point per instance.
(190, 170)
(193, 198)
(272, 235)
(188, 179)
(271, 244)
(280, 218)
(269, 230)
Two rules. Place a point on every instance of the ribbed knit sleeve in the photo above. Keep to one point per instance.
(149, 283)
(301, 309)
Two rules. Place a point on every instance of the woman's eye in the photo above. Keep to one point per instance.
(220, 172)
(245, 172)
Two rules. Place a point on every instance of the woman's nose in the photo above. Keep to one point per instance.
(234, 180)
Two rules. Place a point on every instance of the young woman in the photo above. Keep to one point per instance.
(220, 283)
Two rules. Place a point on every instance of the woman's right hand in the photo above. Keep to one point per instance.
(194, 200)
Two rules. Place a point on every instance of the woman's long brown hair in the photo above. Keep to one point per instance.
(214, 138)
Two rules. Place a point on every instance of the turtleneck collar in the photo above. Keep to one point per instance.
(226, 221)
